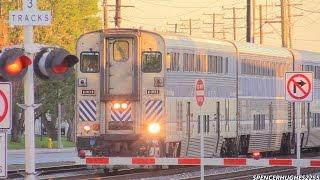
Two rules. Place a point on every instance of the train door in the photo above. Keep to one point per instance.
(121, 63)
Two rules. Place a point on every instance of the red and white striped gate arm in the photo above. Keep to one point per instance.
(197, 161)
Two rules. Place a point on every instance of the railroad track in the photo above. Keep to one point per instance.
(47, 170)
(81, 172)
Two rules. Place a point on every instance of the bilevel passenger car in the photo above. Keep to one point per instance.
(135, 96)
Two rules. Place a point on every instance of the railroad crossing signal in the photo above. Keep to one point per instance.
(299, 86)
(54, 63)
(49, 63)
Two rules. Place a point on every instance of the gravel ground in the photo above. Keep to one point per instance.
(212, 171)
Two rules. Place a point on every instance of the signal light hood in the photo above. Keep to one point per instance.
(54, 63)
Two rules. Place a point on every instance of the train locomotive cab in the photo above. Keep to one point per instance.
(120, 93)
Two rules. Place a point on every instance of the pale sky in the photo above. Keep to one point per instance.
(155, 14)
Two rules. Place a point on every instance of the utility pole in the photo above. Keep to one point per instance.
(190, 25)
(262, 21)
(284, 23)
(213, 23)
(261, 24)
(251, 8)
(117, 17)
(234, 18)
(105, 14)
(59, 126)
(289, 24)
(175, 26)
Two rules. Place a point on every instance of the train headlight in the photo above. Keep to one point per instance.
(116, 105)
(154, 128)
(124, 105)
(86, 128)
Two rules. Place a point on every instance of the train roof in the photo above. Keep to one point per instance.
(180, 41)
(307, 56)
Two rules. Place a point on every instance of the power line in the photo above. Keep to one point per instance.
(182, 7)
(307, 10)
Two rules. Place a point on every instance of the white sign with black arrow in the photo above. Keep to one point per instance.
(299, 86)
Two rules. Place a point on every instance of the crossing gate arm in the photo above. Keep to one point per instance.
(92, 161)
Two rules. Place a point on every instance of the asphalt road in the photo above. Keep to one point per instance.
(43, 155)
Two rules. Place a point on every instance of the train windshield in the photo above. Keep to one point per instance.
(89, 62)
(120, 51)
(151, 62)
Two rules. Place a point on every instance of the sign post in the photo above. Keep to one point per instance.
(299, 88)
(200, 92)
(3, 154)
(29, 17)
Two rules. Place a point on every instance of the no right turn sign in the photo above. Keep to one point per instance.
(299, 86)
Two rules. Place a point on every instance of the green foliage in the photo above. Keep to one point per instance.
(41, 144)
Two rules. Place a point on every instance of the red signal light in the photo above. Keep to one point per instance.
(60, 68)
(17, 65)
(256, 155)
(13, 64)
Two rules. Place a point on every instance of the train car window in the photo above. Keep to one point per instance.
(203, 63)
(169, 61)
(210, 64)
(120, 51)
(199, 123)
(315, 119)
(226, 65)
(258, 67)
(151, 62)
(198, 63)
(243, 66)
(173, 62)
(317, 73)
(259, 121)
(89, 62)
(220, 64)
(188, 62)
(179, 115)
(185, 62)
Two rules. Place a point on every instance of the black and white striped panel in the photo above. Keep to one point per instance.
(87, 110)
(154, 110)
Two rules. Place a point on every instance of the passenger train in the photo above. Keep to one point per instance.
(135, 96)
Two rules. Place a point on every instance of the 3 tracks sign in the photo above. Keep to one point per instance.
(299, 86)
